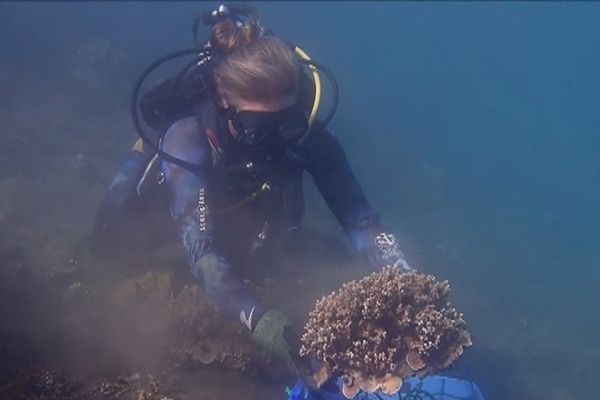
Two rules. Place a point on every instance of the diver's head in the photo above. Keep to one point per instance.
(258, 83)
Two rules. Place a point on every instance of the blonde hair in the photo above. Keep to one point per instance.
(253, 67)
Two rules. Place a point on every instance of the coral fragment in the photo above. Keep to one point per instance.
(390, 325)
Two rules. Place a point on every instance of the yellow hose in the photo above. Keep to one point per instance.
(317, 79)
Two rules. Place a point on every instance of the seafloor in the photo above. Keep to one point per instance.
(77, 327)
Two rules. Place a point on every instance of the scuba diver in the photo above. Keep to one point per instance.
(236, 130)
(232, 169)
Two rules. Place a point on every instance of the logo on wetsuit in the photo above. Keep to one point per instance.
(390, 251)
(384, 241)
(201, 210)
(247, 320)
(388, 247)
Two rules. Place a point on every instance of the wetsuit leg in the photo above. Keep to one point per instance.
(119, 205)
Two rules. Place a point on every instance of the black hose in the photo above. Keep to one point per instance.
(134, 108)
(177, 82)
(195, 29)
(156, 146)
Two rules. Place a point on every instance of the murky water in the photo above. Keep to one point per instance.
(471, 126)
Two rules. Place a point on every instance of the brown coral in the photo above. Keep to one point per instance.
(385, 327)
(414, 360)
(391, 384)
(196, 331)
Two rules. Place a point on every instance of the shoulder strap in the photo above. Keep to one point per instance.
(206, 118)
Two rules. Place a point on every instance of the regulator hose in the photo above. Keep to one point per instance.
(155, 146)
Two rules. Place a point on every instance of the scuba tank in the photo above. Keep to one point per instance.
(183, 94)
(180, 96)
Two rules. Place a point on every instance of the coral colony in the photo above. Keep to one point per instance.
(379, 330)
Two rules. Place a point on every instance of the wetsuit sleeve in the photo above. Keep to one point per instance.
(190, 207)
(330, 169)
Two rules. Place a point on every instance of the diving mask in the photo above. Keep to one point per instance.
(261, 127)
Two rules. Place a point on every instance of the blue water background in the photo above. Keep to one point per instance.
(474, 130)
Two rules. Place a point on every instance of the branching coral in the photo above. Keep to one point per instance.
(383, 328)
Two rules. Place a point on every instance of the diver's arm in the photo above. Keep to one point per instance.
(190, 207)
(189, 195)
(331, 171)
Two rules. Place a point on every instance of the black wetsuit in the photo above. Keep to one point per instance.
(208, 204)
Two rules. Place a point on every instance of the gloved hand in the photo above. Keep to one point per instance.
(274, 334)
(380, 249)
(269, 331)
